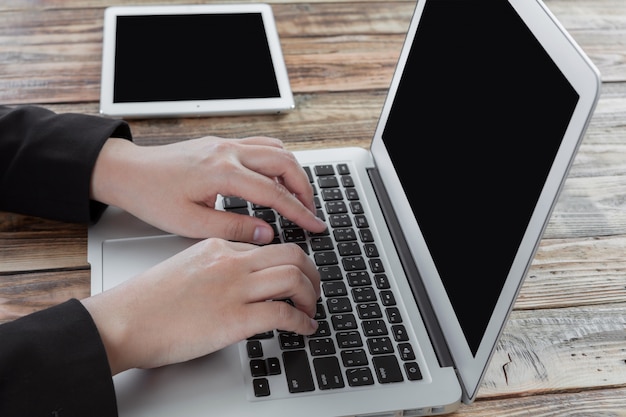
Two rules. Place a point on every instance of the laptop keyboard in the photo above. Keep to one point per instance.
(361, 340)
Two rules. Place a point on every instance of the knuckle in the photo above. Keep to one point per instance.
(284, 312)
(296, 253)
(280, 191)
(221, 146)
(272, 141)
(235, 229)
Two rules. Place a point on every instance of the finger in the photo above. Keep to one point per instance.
(260, 186)
(204, 221)
(286, 254)
(271, 315)
(283, 165)
(273, 162)
(285, 282)
(262, 140)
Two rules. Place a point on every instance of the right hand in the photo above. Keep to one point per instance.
(207, 297)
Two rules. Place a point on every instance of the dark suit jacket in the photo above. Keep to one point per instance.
(53, 362)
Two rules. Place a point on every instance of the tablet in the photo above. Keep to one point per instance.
(192, 60)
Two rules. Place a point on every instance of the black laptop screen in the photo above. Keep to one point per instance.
(480, 114)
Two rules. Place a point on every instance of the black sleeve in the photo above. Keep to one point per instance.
(46, 161)
(52, 363)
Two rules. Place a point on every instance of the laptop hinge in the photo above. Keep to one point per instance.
(410, 269)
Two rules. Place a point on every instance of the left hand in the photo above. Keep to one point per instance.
(174, 187)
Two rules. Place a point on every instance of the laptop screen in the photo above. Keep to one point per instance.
(477, 120)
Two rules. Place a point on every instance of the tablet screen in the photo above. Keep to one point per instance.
(192, 57)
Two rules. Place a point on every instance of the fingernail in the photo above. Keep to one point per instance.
(314, 324)
(263, 235)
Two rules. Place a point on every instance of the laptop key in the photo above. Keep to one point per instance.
(290, 340)
(298, 371)
(350, 339)
(328, 182)
(353, 263)
(338, 305)
(273, 366)
(234, 202)
(328, 273)
(334, 289)
(413, 371)
(354, 357)
(320, 347)
(328, 372)
(343, 169)
(379, 345)
(325, 258)
(387, 369)
(254, 348)
(348, 248)
(406, 351)
(258, 367)
(358, 278)
(347, 181)
(322, 243)
(399, 333)
(322, 170)
(352, 194)
(358, 377)
(393, 315)
(343, 322)
(261, 387)
(344, 234)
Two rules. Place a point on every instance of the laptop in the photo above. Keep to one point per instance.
(431, 231)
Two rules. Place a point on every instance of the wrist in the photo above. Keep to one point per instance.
(113, 170)
(113, 331)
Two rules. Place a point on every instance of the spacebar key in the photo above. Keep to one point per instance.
(298, 371)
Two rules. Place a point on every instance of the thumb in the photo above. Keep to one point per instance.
(231, 226)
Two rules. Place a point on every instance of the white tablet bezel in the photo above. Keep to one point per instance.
(192, 108)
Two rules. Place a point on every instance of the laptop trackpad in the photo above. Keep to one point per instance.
(124, 258)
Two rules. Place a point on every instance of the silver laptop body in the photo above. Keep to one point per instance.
(483, 118)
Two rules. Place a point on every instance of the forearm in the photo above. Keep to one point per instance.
(53, 362)
(46, 161)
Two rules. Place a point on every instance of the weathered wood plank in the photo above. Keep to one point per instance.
(587, 403)
(40, 55)
(607, 124)
(576, 272)
(559, 350)
(38, 253)
(52, 4)
(32, 243)
(592, 206)
(22, 294)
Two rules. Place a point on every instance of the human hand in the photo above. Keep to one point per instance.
(207, 297)
(174, 187)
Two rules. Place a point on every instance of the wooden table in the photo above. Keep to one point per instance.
(564, 349)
